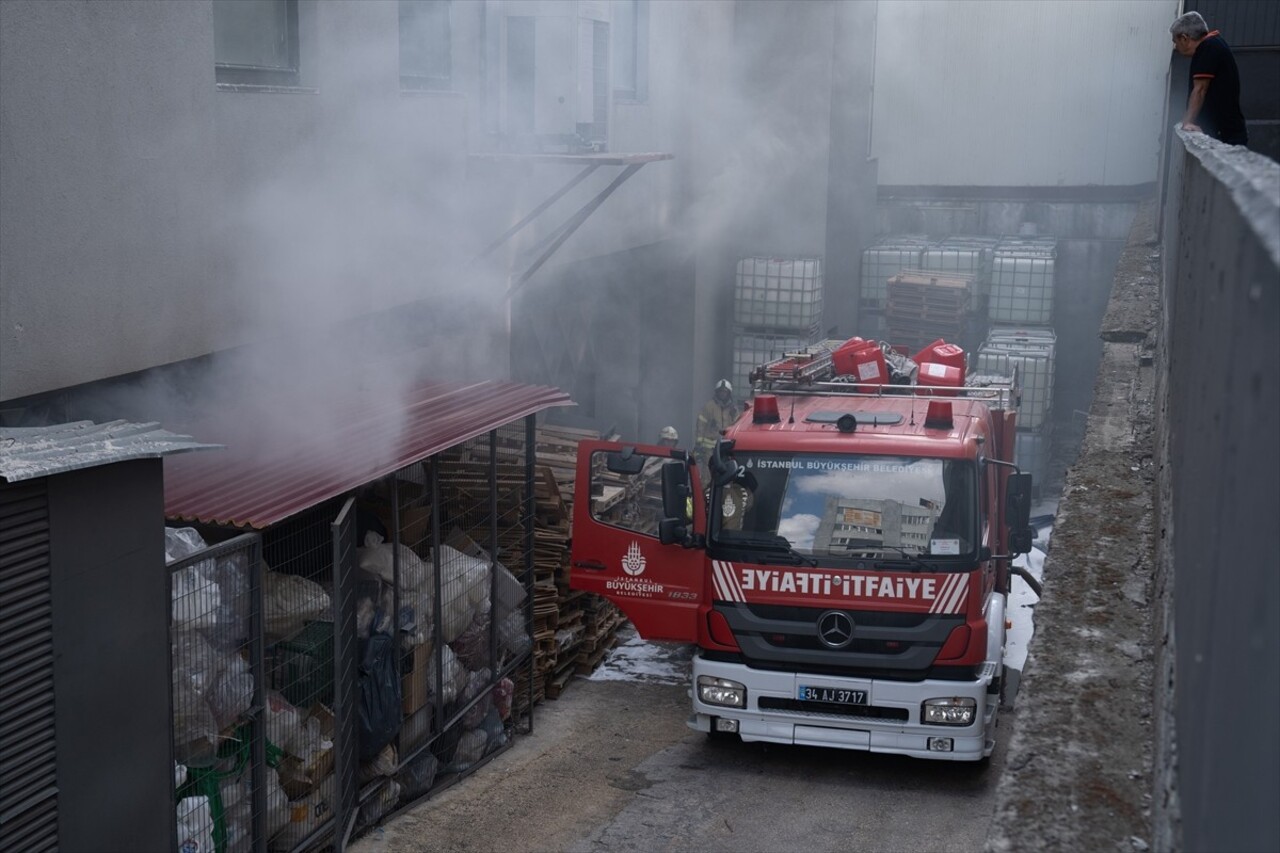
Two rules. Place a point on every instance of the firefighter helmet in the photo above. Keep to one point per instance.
(669, 434)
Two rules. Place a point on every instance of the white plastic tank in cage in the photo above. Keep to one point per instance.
(778, 293)
(1032, 351)
(1022, 280)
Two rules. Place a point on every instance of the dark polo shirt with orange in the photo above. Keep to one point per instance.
(1220, 116)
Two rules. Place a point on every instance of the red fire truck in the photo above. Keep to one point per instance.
(846, 578)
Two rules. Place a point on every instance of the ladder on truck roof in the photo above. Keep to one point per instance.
(811, 371)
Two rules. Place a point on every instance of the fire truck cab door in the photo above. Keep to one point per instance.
(616, 552)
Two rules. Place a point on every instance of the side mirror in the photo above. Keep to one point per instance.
(1017, 510)
(675, 490)
(723, 468)
(672, 531)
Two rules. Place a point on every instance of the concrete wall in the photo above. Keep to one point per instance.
(149, 214)
(1068, 93)
(1217, 758)
(165, 216)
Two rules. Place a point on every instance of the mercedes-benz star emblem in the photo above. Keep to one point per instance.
(835, 629)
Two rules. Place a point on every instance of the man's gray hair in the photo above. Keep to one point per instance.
(1190, 25)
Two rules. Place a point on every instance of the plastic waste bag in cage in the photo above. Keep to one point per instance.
(464, 588)
(455, 675)
(195, 825)
(378, 708)
(283, 721)
(196, 661)
(381, 804)
(383, 764)
(420, 602)
(494, 729)
(472, 645)
(470, 749)
(181, 542)
(367, 607)
(231, 628)
(309, 742)
(278, 806)
(513, 639)
(232, 693)
(477, 686)
(510, 592)
(195, 731)
(503, 692)
(196, 597)
(417, 777)
(289, 602)
(237, 809)
(378, 557)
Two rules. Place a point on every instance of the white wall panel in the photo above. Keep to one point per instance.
(1030, 93)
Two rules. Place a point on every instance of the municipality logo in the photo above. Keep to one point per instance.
(633, 562)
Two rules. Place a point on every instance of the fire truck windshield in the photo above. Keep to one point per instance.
(827, 505)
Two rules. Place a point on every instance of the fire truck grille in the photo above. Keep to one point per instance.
(862, 617)
(829, 709)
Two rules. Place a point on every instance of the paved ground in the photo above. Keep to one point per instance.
(612, 766)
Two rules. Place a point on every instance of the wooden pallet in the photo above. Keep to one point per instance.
(559, 679)
(588, 661)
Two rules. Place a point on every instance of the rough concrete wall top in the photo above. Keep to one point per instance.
(1252, 179)
(1078, 772)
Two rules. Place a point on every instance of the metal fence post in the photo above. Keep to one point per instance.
(530, 505)
(345, 649)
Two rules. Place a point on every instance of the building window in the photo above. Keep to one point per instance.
(630, 49)
(256, 41)
(426, 42)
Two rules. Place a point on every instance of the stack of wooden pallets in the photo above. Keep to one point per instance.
(571, 629)
(925, 305)
(601, 622)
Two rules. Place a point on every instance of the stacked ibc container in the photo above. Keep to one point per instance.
(967, 255)
(777, 308)
(881, 262)
(1021, 313)
(1022, 272)
(1031, 351)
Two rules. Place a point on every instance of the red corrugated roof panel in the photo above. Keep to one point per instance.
(281, 462)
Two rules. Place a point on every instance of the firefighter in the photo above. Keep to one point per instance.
(716, 416)
(668, 437)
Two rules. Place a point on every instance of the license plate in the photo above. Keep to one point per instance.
(837, 695)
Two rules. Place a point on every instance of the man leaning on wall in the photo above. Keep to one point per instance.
(1213, 91)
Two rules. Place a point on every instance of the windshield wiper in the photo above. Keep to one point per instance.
(770, 543)
(912, 559)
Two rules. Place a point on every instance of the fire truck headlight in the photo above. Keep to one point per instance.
(950, 711)
(722, 691)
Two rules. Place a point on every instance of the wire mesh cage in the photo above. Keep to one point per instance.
(226, 794)
(357, 655)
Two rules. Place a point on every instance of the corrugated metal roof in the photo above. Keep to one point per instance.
(276, 469)
(30, 452)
